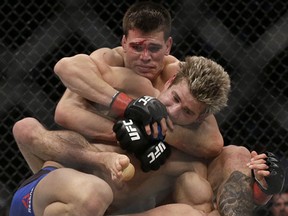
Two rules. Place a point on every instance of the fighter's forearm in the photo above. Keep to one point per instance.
(236, 195)
(205, 141)
(80, 74)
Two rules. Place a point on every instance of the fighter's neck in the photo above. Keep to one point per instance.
(158, 83)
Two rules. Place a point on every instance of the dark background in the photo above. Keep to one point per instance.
(247, 37)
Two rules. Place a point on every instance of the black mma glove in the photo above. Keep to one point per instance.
(144, 109)
(276, 179)
(154, 156)
(151, 152)
(131, 137)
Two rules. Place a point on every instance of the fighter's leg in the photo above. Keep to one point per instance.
(230, 179)
(194, 190)
(117, 165)
(38, 144)
(23, 134)
(69, 192)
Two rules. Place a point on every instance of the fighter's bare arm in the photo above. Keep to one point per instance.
(91, 119)
(94, 77)
(82, 75)
(207, 139)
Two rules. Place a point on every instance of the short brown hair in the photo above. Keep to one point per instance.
(209, 83)
(147, 17)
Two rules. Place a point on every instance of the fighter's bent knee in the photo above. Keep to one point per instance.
(236, 149)
(97, 195)
(189, 184)
(22, 129)
(85, 193)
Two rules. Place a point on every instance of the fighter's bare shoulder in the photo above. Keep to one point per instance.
(171, 66)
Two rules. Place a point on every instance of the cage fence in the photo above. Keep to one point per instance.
(247, 37)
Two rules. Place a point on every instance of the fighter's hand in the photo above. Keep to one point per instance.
(131, 137)
(156, 129)
(259, 166)
(154, 156)
(268, 172)
(152, 152)
(146, 110)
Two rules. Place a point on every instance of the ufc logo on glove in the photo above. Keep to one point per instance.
(132, 131)
(159, 149)
(144, 100)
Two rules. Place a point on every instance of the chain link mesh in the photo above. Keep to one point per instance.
(247, 37)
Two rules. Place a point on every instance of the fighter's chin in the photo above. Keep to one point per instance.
(145, 69)
(146, 74)
(177, 122)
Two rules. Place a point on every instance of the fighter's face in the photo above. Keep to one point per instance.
(280, 204)
(182, 107)
(144, 53)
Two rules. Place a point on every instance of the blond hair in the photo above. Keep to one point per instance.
(208, 82)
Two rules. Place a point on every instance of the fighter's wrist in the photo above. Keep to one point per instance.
(259, 196)
(262, 183)
(113, 98)
(119, 104)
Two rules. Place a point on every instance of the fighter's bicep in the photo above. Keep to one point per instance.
(125, 80)
(110, 57)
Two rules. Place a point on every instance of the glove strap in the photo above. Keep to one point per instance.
(260, 186)
(119, 104)
(260, 197)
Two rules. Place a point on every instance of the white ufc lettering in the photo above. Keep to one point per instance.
(145, 100)
(159, 149)
(132, 131)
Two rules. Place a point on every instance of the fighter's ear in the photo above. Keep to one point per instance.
(169, 82)
(124, 43)
(169, 43)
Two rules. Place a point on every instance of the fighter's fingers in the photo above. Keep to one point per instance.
(163, 126)
(253, 154)
(258, 161)
(258, 157)
(261, 173)
(263, 155)
(258, 166)
(148, 129)
(155, 129)
(261, 163)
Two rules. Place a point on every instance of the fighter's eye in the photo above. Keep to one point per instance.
(176, 98)
(187, 111)
(154, 48)
(137, 47)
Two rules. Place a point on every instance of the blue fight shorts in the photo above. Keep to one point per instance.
(21, 204)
